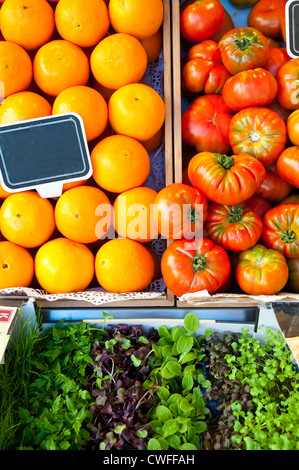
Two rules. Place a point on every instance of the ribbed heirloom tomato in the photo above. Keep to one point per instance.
(261, 271)
(193, 266)
(274, 188)
(288, 165)
(278, 56)
(205, 124)
(256, 87)
(288, 85)
(235, 228)
(201, 19)
(267, 17)
(180, 211)
(293, 127)
(260, 132)
(224, 179)
(243, 49)
(281, 229)
(204, 71)
(259, 205)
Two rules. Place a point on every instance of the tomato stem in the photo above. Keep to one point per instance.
(288, 236)
(194, 215)
(243, 44)
(236, 214)
(226, 161)
(199, 263)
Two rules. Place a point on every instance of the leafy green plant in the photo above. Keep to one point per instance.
(273, 421)
(223, 390)
(179, 413)
(15, 377)
(121, 364)
(59, 402)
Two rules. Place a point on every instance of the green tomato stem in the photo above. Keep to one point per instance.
(236, 214)
(243, 44)
(199, 263)
(226, 161)
(288, 236)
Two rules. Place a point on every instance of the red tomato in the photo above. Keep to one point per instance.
(261, 272)
(201, 19)
(226, 180)
(251, 88)
(274, 188)
(266, 16)
(293, 282)
(293, 127)
(205, 124)
(281, 229)
(235, 228)
(273, 44)
(259, 205)
(260, 132)
(194, 266)
(277, 58)
(288, 165)
(204, 71)
(227, 26)
(288, 85)
(282, 112)
(180, 211)
(244, 49)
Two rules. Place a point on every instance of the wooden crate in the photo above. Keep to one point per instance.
(220, 300)
(166, 300)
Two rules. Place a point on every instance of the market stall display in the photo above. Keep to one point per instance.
(235, 115)
(111, 67)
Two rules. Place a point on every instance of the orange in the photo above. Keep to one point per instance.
(27, 219)
(136, 110)
(63, 266)
(133, 214)
(83, 22)
(153, 45)
(83, 214)
(117, 60)
(124, 266)
(58, 65)
(86, 102)
(141, 18)
(16, 266)
(24, 105)
(73, 184)
(3, 193)
(119, 163)
(15, 68)
(29, 23)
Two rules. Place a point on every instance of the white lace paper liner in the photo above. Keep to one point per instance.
(204, 296)
(154, 77)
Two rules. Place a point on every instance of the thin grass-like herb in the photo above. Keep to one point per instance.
(15, 376)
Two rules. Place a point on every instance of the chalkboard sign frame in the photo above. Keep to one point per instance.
(45, 185)
(292, 32)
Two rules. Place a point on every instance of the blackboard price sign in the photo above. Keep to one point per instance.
(292, 28)
(43, 154)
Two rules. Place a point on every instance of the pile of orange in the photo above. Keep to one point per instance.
(88, 57)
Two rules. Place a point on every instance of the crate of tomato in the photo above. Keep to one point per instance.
(235, 145)
(112, 66)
